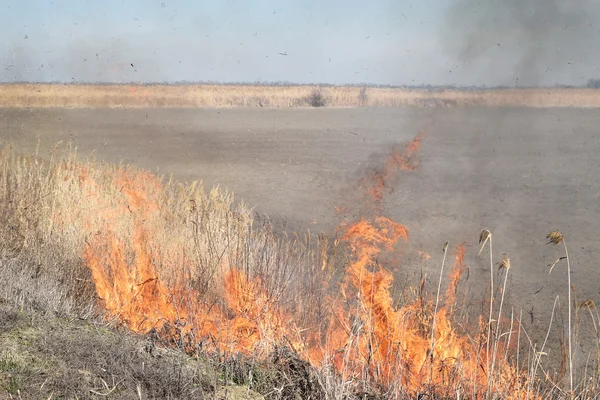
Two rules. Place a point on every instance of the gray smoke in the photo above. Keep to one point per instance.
(526, 42)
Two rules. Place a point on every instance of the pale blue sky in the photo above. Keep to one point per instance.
(378, 41)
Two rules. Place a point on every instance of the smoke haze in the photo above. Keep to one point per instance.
(512, 42)
(525, 43)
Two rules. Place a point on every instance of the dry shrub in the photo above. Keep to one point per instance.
(363, 98)
(316, 98)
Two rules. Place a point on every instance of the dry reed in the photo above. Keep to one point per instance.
(220, 96)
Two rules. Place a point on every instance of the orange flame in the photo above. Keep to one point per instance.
(135, 294)
(376, 184)
(455, 275)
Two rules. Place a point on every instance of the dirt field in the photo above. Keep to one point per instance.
(517, 172)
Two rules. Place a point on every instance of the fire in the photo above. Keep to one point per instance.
(364, 334)
(146, 290)
(382, 179)
(133, 293)
(142, 301)
(455, 275)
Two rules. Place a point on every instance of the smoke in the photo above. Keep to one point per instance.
(525, 42)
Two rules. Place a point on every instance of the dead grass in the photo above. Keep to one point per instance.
(218, 96)
(43, 357)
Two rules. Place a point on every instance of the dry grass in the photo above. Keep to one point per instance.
(67, 224)
(45, 357)
(139, 96)
(48, 357)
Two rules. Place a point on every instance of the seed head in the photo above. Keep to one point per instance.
(554, 237)
(484, 236)
(505, 262)
(587, 303)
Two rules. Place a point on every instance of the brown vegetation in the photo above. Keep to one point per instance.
(46, 357)
(191, 96)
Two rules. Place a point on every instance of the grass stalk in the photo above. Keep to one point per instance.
(437, 300)
(556, 237)
(570, 318)
(504, 265)
(485, 237)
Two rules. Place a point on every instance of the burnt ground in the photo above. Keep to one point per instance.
(517, 172)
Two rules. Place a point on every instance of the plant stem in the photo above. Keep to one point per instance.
(570, 304)
(437, 299)
(489, 326)
(497, 339)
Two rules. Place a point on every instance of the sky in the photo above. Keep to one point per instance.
(397, 42)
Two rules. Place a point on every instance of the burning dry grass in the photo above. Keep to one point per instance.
(196, 271)
(140, 96)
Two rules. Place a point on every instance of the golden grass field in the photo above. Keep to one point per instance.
(220, 96)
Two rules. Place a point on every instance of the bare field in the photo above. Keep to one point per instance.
(223, 96)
